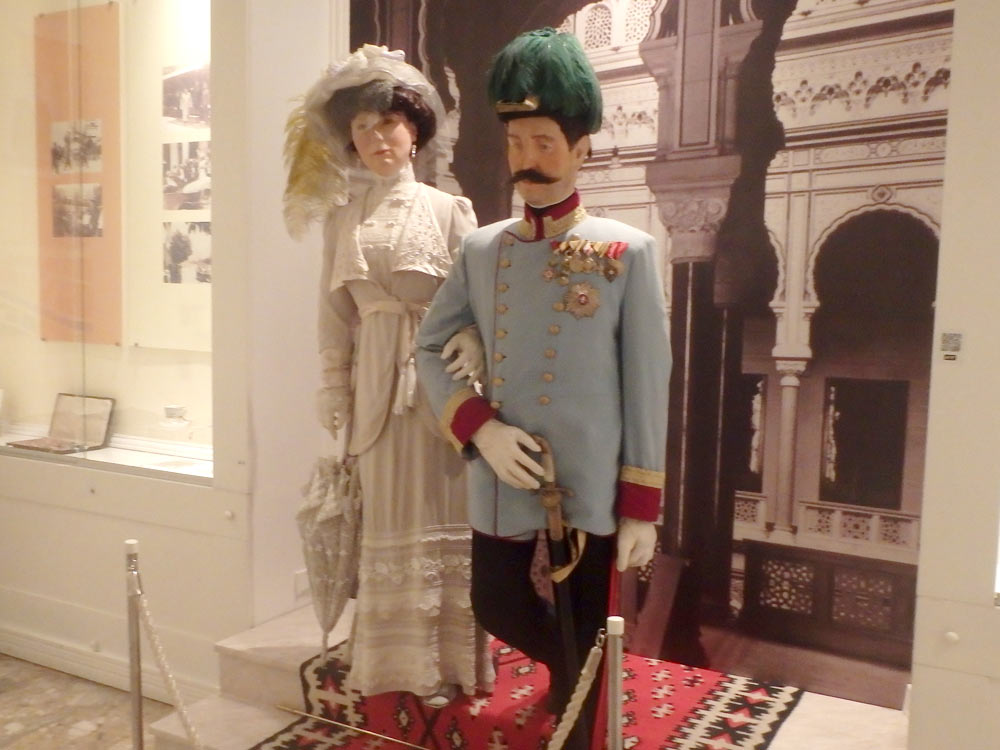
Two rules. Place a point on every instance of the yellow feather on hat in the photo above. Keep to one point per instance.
(314, 180)
(317, 156)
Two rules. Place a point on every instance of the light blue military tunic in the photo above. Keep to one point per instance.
(574, 330)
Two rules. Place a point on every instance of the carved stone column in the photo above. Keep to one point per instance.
(781, 513)
(712, 61)
(691, 178)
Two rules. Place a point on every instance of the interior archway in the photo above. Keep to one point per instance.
(875, 279)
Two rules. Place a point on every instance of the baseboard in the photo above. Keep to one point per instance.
(98, 667)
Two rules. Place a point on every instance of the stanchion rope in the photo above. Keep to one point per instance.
(168, 677)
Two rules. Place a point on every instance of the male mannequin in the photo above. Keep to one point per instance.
(571, 311)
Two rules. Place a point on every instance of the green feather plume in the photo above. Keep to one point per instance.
(553, 67)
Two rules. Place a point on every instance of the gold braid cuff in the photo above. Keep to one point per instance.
(451, 407)
(643, 477)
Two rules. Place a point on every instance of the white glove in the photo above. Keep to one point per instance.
(333, 405)
(502, 445)
(636, 543)
(467, 349)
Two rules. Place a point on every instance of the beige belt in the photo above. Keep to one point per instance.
(410, 315)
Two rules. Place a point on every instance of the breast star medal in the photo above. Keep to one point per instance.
(582, 300)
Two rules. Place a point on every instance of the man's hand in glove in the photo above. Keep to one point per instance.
(636, 543)
(503, 446)
(467, 350)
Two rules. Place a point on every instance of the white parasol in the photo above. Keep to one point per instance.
(329, 522)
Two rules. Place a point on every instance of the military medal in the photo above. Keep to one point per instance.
(582, 300)
(585, 256)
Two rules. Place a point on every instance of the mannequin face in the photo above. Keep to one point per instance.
(383, 141)
(538, 143)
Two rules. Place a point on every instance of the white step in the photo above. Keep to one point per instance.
(221, 724)
(261, 665)
(258, 670)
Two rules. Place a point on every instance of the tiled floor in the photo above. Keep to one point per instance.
(42, 709)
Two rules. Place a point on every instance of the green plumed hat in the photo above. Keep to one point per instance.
(545, 73)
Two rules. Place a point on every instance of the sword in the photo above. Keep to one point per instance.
(563, 557)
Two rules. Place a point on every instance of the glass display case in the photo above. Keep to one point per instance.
(106, 292)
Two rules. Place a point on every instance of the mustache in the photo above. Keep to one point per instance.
(532, 175)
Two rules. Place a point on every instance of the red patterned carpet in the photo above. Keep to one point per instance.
(667, 707)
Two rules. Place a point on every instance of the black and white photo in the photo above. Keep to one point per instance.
(187, 175)
(187, 106)
(187, 252)
(77, 210)
(76, 146)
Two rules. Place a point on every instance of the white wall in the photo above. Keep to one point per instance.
(270, 53)
(956, 669)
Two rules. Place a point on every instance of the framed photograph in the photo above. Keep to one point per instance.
(187, 252)
(76, 146)
(187, 175)
(77, 210)
(187, 106)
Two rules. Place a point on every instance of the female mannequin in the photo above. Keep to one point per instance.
(388, 244)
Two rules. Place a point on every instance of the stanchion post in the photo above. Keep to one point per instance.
(614, 656)
(133, 588)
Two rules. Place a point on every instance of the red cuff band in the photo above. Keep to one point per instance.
(638, 501)
(469, 417)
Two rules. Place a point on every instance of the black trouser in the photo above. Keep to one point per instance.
(506, 604)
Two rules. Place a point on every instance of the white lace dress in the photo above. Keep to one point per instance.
(414, 629)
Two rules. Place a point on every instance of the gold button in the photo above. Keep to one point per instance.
(497, 381)
(544, 400)
(563, 281)
(558, 306)
(502, 308)
(550, 353)
(553, 329)
(501, 333)
(505, 263)
(502, 287)
(508, 240)
(498, 357)
(494, 404)
(548, 377)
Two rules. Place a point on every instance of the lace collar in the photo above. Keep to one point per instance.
(419, 244)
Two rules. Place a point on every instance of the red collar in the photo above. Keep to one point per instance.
(541, 221)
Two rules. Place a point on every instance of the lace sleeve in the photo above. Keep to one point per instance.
(338, 317)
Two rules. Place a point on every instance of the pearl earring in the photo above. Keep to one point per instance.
(413, 151)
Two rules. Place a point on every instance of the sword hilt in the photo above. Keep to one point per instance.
(550, 494)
